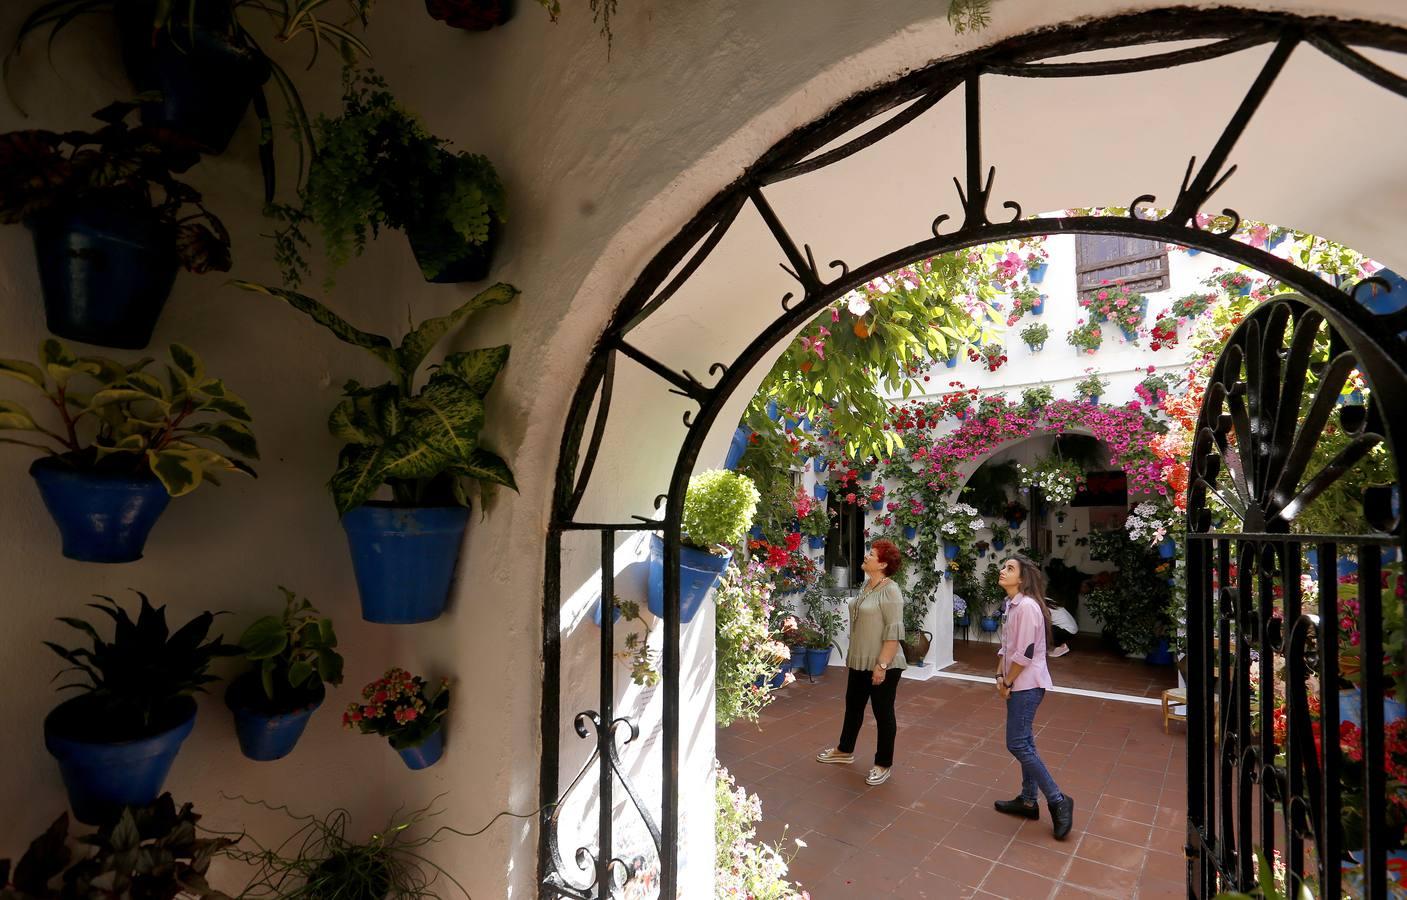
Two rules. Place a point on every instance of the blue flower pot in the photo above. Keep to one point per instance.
(404, 559)
(596, 614)
(963, 621)
(1168, 548)
(699, 571)
(1130, 334)
(1242, 291)
(998, 544)
(1193, 251)
(877, 505)
(102, 778)
(101, 518)
(816, 660)
(819, 491)
(988, 623)
(866, 476)
(105, 273)
(772, 412)
(820, 464)
(1160, 655)
(265, 736)
(775, 681)
(950, 551)
(816, 543)
(1093, 401)
(798, 657)
(737, 447)
(910, 532)
(1037, 272)
(1274, 242)
(1351, 708)
(1013, 524)
(426, 753)
(1038, 307)
(951, 362)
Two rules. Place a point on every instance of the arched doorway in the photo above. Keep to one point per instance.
(843, 136)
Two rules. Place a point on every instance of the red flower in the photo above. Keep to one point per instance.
(794, 541)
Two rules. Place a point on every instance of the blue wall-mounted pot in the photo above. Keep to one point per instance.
(737, 447)
(404, 558)
(426, 753)
(1037, 272)
(819, 491)
(264, 735)
(101, 518)
(699, 571)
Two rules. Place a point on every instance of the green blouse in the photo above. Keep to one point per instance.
(876, 616)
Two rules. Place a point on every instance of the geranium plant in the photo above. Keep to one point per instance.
(1113, 302)
(1091, 386)
(1036, 398)
(993, 356)
(403, 708)
(1234, 282)
(1191, 306)
(1024, 300)
(1035, 335)
(1163, 334)
(1086, 336)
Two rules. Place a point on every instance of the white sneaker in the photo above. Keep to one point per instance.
(1060, 651)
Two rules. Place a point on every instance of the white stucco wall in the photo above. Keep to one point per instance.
(604, 160)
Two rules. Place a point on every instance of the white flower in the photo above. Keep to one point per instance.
(857, 304)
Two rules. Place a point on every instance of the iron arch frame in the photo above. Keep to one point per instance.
(1213, 859)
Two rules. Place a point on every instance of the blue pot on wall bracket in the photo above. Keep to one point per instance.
(877, 505)
(596, 614)
(1351, 708)
(772, 412)
(910, 532)
(820, 464)
(1168, 548)
(1193, 251)
(951, 362)
(404, 558)
(264, 734)
(1130, 334)
(103, 777)
(816, 543)
(1275, 241)
(998, 544)
(699, 571)
(1093, 401)
(104, 519)
(1037, 272)
(1038, 307)
(950, 551)
(988, 624)
(819, 491)
(426, 753)
(737, 447)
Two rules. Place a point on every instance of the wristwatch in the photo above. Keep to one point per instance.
(882, 667)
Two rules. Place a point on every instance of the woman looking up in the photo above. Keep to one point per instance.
(1022, 680)
(874, 661)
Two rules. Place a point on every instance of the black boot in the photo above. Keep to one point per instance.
(1063, 815)
(1019, 807)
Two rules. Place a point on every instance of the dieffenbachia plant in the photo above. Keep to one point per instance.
(186, 429)
(420, 443)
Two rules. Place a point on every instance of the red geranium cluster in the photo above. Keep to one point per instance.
(991, 355)
(1163, 333)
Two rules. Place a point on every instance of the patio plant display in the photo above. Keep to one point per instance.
(986, 489)
(1091, 386)
(153, 852)
(406, 710)
(824, 622)
(125, 442)
(198, 66)
(1153, 523)
(111, 223)
(1113, 302)
(746, 656)
(813, 518)
(743, 865)
(992, 356)
(294, 656)
(718, 510)
(993, 598)
(1035, 336)
(423, 444)
(1057, 479)
(116, 740)
(377, 167)
(1025, 300)
(1085, 337)
(1131, 602)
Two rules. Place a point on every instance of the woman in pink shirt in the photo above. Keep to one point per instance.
(1022, 680)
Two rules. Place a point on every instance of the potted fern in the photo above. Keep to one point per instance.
(718, 510)
(111, 224)
(379, 168)
(422, 444)
(115, 742)
(125, 442)
(294, 655)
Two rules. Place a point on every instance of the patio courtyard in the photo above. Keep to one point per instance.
(931, 832)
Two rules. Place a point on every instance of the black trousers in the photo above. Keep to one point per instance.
(1060, 635)
(859, 690)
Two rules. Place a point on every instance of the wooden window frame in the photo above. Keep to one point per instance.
(1085, 268)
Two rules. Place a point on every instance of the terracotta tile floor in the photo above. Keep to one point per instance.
(931, 832)
(1089, 665)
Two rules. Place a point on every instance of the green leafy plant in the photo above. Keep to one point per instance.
(816, 522)
(175, 22)
(1086, 336)
(1057, 479)
(1091, 385)
(744, 650)
(643, 661)
(379, 168)
(150, 853)
(969, 15)
(136, 680)
(718, 509)
(120, 167)
(401, 707)
(1035, 335)
(294, 653)
(990, 592)
(1036, 398)
(823, 616)
(138, 422)
(1131, 603)
(420, 443)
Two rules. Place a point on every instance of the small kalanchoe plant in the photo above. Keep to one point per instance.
(400, 707)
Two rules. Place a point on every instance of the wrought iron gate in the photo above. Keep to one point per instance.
(1250, 451)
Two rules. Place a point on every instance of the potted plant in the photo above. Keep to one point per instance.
(958, 528)
(1035, 335)
(116, 740)
(111, 224)
(198, 65)
(718, 510)
(916, 641)
(1163, 334)
(1035, 400)
(422, 444)
(1085, 337)
(1057, 479)
(1001, 533)
(294, 654)
(961, 617)
(152, 852)
(993, 599)
(125, 444)
(1091, 386)
(990, 355)
(1114, 302)
(1191, 306)
(1015, 514)
(1235, 283)
(820, 635)
(815, 521)
(407, 711)
(379, 168)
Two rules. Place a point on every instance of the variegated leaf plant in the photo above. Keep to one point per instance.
(186, 429)
(422, 443)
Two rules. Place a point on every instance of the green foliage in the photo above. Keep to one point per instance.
(420, 443)
(1271, 884)
(743, 648)
(1036, 398)
(138, 421)
(320, 862)
(1091, 385)
(136, 678)
(816, 523)
(824, 618)
(150, 853)
(743, 867)
(1132, 602)
(1035, 334)
(379, 168)
(986, 490)
(1087, 336)
(718, 509)
(643, 661)
(990, 593)
(294, 653)
(116, 166)
(969, 15)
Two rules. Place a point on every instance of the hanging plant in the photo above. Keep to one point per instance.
(1113, 302)
(1058, 479)
(990, 355)
(1086, 336)
(1091, 386)
(1191, 306)
(1035, 336)
(1163, 334)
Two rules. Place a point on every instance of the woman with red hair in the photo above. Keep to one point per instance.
(874, 660)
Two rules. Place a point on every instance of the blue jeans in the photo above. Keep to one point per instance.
(1020, 715)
